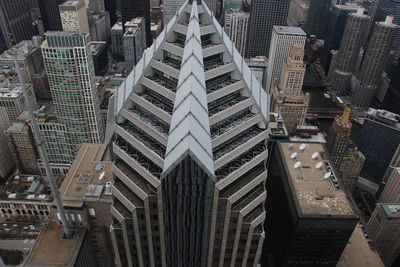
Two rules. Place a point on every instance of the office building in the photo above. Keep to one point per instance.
(117, 44)
(86, 197)
(264, 14)
(137, 8)
(287, 97)
(335, 31)
(258, 66)
(99, 26)
(298, 12)
(339, 137)
(12, 98)
(73, 89)
(317, 18)
(170, 7)
(22, 145)
(100, 58)
(6, 161)
(16, 22)
(111, 7)
(283, 39)
(346, 58)
(391, 192)
(378, 151)
(191, 122)
(370, 72)
(50, 14)
(74, 17)
(313, 220)
(350, 167)
(214, 6)
(384, 229)
(394, 163)
(30, 61)
(134, 42)
(237, 29)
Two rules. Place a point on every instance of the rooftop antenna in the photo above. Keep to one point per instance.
(40, 145)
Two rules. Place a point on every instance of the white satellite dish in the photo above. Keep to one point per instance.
(297, 165)
(314, 155)
(318, 165)
(327, 175)
(293, 155)
(302, 147)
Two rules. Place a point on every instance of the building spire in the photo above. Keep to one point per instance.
(346, 115)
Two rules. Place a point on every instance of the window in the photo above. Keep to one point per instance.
(91, 212)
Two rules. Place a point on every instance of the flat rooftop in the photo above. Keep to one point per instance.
(312, 181)
(10, 90)
(392, 210)
(87, 178)
(22, 49)
(51, 250)
(289, 30)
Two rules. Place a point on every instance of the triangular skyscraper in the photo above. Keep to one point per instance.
(188, 131)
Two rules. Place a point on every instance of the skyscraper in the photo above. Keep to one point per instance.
(73, 88)
(371, 68)
(339, 137)
(335, 31)
(384, 229)
(50, 14)
(264, 14)
(378, 151)
(134, 42)
(347, 55)
(6, 161)
(391, 193)
(190, 152)
(317, 19)
(74, 16)
(350, 167)
(283, 39)
(309, 218)
(287, 97)
(237, 29)
(15, 21)
(170, 7)
(137, 8)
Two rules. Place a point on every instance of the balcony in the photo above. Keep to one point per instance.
(176, 64)
(232, 122)
(254, 214)
(213, 62)
(143, 137)
(235, 164)
(150, 119)
(224, 103)
(170, 84)
(219, 82)
(157, 100)
(141, 159)
(248, 198)
(236, 141)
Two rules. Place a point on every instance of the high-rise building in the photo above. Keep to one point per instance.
(370, 72)
(12, 98)
(170, 7)
(7, 163)
(134, 42)
(317, 18)
(384, 229)
(264, 14)
(190, 150)
(117, 42)
(391, 193)
(394, 163)
(339, 137)
(346, 58)
(287, 96)
(22, 145)
(378, 151)
(30, 61)
(99, 26)
(137, 8)
(335, 31)
(73, 89)
(309, 218)
(50, 14)
(237, 29)
(298, 12)
(88, 186)
(15, 22)
(283, 39)
(214, 6)
(350, 167)
(74, 17)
